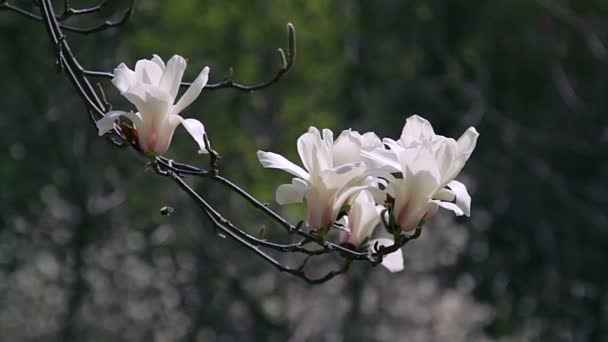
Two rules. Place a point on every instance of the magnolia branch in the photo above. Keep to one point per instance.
(420, 160)
(98, 105)
(287, 59)
(70, 12)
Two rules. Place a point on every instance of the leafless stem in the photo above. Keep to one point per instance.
(287, 61)
(68, 12)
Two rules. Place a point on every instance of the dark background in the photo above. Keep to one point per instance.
(86, 256)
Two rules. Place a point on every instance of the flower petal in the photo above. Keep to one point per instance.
(172, 77)
(444, 195)
(124, 78)
(197, 131)
(465, 146)
(292, 193)
(382, 159)
(306, 144)
(450, 206)
(463, 199)
(152, 102)
(415, 130)
(393, 261)
(347, 147)
(148, 72)
(315, 151)
(468, 141)
(106, 123)
(363, 217)
(159, 61)
(193, 91)
(277, 161)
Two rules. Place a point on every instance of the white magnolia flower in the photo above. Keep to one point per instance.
(347, 147)
(329, 180)
(362, 219)
(153, 89)
(420, 168)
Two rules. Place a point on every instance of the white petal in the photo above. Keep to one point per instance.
(197, 131)
(193, 91)
(159, 61)
(382, 159)
(292, 193)
(393, 261)
(446, 154)
(445, 195)
(420, 160)
(152, 102)
(463, 199)
(347, 148)
(307, 144)
(450, 206)
(172, 77)
(416, 129)
(106, 123)
(370, 139)
(363, 217)
(277, 161)
(148, 71)
(468, 141)
(465, 146)
(124, 78)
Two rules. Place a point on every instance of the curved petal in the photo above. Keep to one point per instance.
(445, 195)
(463, 199)
(465, 146)
(193, 91)
(124, 78)
(106, 123)
(450, 206)
(291, 193)
(151, 102)
(468, 141)
(413, 196)
(421, 161)
(370, 139)
(445, 151)
(172, 77)
(148, 71)
(159, 61)
(347, 148)
(415, 130)
(306, 145)
(363, 218)
(393, 261)
(277, 161)
(197, 131)
(382, 159)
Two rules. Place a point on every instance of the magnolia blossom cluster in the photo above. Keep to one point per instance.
(152, 88)
(353, 178)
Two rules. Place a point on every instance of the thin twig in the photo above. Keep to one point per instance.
(96, 28)
(69, 11)
(287, 62)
